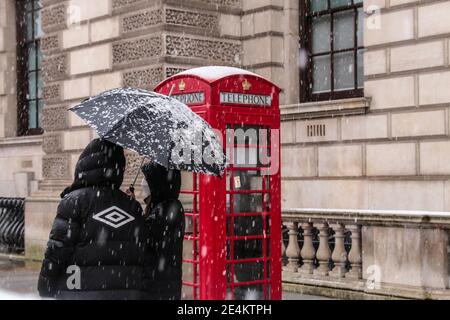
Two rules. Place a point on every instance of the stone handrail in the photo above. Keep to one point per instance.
(317, 260)
(373, 217)
(325, 247)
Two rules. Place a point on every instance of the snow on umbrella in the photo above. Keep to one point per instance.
(156, 126)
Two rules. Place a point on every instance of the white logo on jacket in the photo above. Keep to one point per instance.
(114, 217)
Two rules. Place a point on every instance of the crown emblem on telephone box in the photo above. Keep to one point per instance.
(182, 86)
(246, 85)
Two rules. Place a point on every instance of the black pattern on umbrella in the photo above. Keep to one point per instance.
(156, 126)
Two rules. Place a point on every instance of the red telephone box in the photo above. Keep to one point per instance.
(233, 234)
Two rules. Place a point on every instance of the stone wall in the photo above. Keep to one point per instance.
(20, 158)
(21, 163)
(391, 150)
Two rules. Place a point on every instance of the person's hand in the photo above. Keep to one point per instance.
(131, 194)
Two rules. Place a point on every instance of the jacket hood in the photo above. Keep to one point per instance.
(164, 184)
(102, 163)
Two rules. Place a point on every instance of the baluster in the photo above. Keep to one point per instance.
(354, 256)
(339, 255)
(324, 252)
(308, 252)
(293, 250)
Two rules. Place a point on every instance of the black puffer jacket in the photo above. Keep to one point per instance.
(99, 234)
(166, 225)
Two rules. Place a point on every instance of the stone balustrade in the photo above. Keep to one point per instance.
(366, 254)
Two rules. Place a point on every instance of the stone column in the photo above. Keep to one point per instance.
(308, 252)
(293, 250)
(263, 39)
(324, 252)
(339, 255)
(291, 52)
(354, 256)
(283, 252)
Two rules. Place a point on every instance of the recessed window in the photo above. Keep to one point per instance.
(332, 39)
(29, 62)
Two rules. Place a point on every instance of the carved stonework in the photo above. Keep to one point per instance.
(193, 19)
(215, 50)
(54, 17)
(55, 167)
(54, 118)
(52, 143)
(54, 67)
(136, 49)
(133, 164)
(50, 43)
(227, 3)
(52, 92)
(171, 71)
(141, 20)
(116, 4)
(146, 78)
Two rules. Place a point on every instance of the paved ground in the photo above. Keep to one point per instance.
(19, 282)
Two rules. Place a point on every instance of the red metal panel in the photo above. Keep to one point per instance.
(212, 232)
(276, 229)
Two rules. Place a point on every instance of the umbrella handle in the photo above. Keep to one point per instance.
(137, 175)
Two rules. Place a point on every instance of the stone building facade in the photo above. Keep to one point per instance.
(387, 148)
(394, 154)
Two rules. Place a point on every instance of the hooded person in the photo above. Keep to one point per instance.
(166, 226)
(98, 243)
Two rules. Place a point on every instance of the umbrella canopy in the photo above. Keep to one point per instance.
(156, 126)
